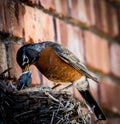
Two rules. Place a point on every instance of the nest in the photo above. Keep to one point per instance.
(39, 105)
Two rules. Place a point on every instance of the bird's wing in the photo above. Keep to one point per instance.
(72, 60)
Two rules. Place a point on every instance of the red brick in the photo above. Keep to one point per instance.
(3, 58)
(110, 94)
(97, 53)
(90, 10)
(76, 94)
(36, 79)
(113, 28)
(79, 11)
(47, 82)
(48, 4)
(12, 50)
(101, 19)
(11, 14)
(33, 2)
(71, 37)
(18, 22)
(38, 26)
(97, 14)
(115, 59)
(62, 32)
(116, 30)
(104, 18)
(118, 18)
(75, 42)
(2, 23)
(110, 121)
(61, 7)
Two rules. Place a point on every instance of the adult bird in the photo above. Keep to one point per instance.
(60, 65)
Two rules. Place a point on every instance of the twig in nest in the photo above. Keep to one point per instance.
(50, 96)
(7, 70)
(52, 118)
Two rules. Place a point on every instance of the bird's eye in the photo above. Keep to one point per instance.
(25, 60)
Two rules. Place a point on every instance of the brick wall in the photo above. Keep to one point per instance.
(89, 28)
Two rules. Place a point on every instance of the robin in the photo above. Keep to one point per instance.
(59, 65)
(25, 79)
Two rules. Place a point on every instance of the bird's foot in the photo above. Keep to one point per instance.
(54, 87)
(68, 86)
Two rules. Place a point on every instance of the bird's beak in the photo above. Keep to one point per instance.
(26, 68)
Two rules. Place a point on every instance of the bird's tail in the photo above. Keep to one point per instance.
(90, 101)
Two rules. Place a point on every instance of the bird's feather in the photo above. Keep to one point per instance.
(94, 107)
(72, 60)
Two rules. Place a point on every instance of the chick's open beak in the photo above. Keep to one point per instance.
(26, 68)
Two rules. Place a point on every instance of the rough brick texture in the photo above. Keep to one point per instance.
(48, 4)
(110, 90)
(110, 121)
(3, 57)
(11, 17)
(115, 59)
(79, 11)
(61, 7)
(97, 52)
(36, 26)
(12, 50)
(89, 28)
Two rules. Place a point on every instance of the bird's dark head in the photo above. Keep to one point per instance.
(26, 56)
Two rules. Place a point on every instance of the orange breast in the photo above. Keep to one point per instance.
(56, 69)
